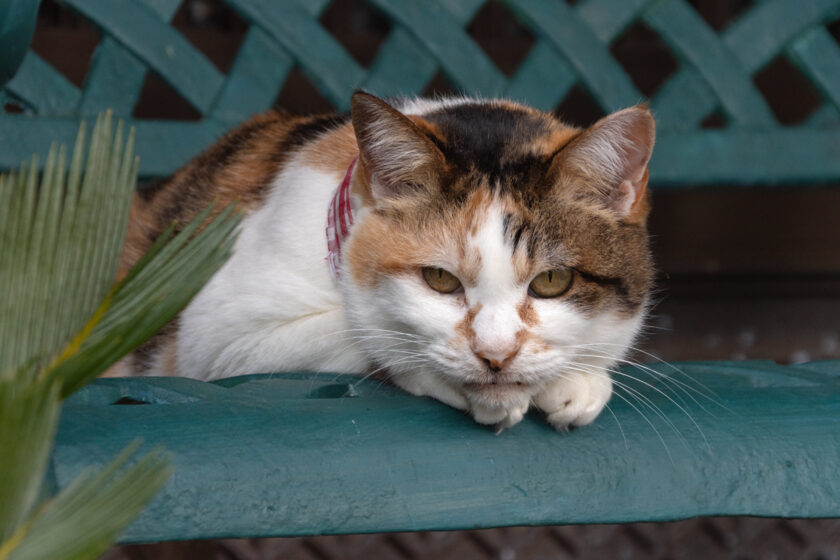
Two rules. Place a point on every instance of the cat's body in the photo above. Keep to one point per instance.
(485, 195)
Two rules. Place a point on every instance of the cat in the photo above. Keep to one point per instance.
(479, 252)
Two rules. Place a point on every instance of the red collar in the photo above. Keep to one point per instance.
(339, 220)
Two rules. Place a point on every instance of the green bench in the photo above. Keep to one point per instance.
(289, 454)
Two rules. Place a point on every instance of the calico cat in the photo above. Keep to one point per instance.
(477, 251)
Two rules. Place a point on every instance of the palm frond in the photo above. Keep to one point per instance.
(149, 297)
(63, 321)
(89, 514)
(28, 417)
(60, 242)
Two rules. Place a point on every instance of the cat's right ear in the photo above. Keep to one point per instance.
(396, 154)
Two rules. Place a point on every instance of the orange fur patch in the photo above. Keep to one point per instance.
(169, 355)
(474, 213)
(548, 145)
(527, 313)
(464, 326)
(427, 127)
(237, 169)
(332, 152)
(641, 206)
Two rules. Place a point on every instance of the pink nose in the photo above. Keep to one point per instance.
(496, 360)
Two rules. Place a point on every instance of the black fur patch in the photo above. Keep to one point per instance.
(486, 138)
(308, 131)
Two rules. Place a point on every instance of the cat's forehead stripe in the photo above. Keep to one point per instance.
(499, 137)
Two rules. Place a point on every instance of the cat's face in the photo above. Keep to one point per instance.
(498, 250)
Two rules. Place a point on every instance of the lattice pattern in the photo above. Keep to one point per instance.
(571, 48)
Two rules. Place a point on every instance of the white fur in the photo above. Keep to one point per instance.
(569, 381)
(275, 307)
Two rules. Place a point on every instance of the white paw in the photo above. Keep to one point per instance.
(502, 417)
(425, 385)
(575, 400)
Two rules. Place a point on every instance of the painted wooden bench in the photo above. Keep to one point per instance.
(289, 454)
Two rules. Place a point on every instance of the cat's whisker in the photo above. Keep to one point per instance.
(350, 346)
(682, 409)
(374, 331)
(657, 359)
(677, 384)
(618, 423)
(640, 397)
(380, 334)
(398, 342)
(389, 365)
(687, 389)
(665, 379)
(705, 392)
(646, 419)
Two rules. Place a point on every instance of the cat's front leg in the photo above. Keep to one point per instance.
(575, 399)
(423, 384)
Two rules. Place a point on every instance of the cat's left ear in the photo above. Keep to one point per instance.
(395, 152)
(612, 158)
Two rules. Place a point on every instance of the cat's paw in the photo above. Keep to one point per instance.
(574, 400)
(501, 417)
(430, 386)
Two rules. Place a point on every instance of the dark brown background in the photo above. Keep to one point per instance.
(744, 273)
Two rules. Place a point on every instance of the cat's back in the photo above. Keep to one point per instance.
(253, 166)
(239, 168)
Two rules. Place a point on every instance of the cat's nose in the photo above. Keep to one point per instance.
(496, 360)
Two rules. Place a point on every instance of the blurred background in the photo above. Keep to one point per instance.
(743, 273)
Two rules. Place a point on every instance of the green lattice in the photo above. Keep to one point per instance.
(572, 48)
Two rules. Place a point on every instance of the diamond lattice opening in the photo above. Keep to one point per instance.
(358, 27)
(128, 401)
(719, 14)
(439, 86)
(645, 58)
(790, 95)
(13, 108)
(834, 29)
(158, 100)
(714, 120)
(65, 40)
(299, 96)
(579, 108)
(500, 35)
(213, 28)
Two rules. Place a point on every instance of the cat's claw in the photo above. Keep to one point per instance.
(575, 400)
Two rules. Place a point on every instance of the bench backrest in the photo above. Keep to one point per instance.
(572, 48)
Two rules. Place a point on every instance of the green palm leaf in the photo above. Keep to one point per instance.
(60, 243)
(90, 513)
(153, 293)
(63, 321)
(28, 418)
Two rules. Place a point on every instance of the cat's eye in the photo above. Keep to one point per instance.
(440, 280)
(551, 283)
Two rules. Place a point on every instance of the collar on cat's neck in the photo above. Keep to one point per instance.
(339, 220)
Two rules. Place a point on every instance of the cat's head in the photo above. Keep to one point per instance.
(497, 248)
